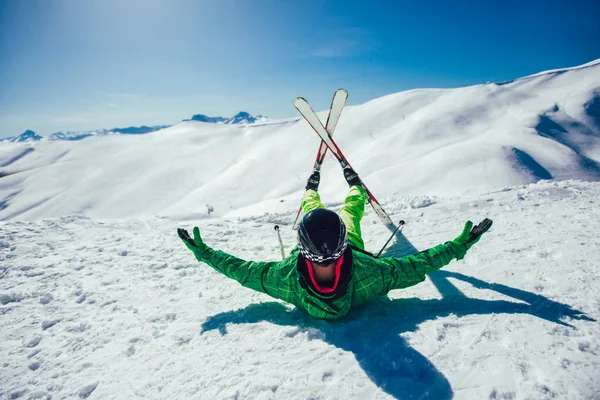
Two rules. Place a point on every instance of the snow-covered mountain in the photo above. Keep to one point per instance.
(240, 118)
(99, 298)
(244, 118)
(205, 118)
(433, 142)
(132, 130)
(30, 136)
(27, 136)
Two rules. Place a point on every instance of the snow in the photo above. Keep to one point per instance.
(422, 142)
(99, 298)
(123, 305)
(552, 71)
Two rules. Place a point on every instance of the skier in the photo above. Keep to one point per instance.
(329, 272)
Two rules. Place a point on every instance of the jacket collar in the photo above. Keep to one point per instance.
(342, 287)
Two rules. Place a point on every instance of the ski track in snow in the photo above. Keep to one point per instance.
(115, 309)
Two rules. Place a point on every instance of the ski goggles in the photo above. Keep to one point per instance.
(322, 259)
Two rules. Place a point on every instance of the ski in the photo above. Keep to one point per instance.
(313, 120)
(335, 111)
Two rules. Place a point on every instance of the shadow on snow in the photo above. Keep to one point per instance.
(372, 332)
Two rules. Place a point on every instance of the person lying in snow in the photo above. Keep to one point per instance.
(329, 272)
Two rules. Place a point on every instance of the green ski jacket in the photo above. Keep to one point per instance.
(363, 276)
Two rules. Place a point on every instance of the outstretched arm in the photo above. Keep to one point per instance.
(408, 271)
(250, 274)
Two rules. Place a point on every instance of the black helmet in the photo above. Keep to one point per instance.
(322, 236)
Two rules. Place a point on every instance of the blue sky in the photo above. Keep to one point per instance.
(76, 65)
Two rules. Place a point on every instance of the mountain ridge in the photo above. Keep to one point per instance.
(30, 136)
(27, 136)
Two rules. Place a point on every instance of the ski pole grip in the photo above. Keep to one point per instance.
(400, 224)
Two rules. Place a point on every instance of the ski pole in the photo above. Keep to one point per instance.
(280, 241)
(400, 225)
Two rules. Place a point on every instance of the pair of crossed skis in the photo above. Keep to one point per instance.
(327, 143)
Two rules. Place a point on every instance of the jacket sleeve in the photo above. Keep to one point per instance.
(260, 276)
(407, 271)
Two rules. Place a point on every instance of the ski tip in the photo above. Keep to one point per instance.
(299, 99)
(341, 94)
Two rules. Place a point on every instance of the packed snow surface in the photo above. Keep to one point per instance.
(99, 298)
(121, 309)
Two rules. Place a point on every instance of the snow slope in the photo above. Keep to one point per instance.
(440, 142)
(120, 309)
(99, 299)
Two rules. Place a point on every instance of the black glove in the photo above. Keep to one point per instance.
(351, 177)
(196, 245)
(313, 181)
(471, 235)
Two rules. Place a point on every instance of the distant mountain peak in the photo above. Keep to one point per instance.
(205, 118)
(242, 117)
(132, 130)
(27, 136)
